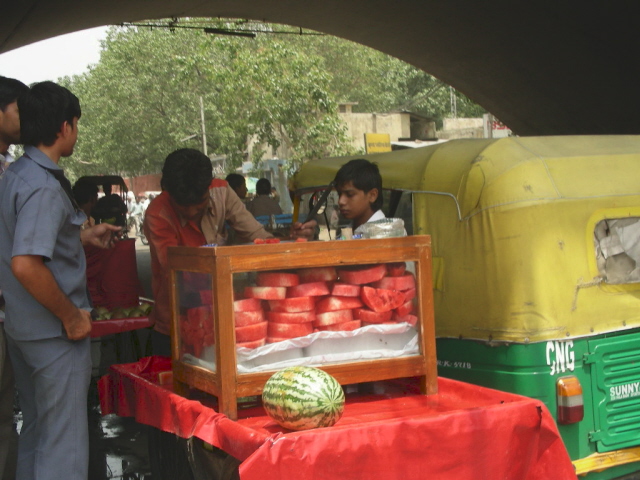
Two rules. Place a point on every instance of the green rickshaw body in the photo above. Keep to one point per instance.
(535, 276)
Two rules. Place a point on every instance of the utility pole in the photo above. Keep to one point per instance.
(204, 134)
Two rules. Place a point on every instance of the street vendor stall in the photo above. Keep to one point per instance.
(394, 432)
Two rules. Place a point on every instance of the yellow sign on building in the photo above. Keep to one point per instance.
(377, 142)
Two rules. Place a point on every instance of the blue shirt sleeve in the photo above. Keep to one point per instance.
(40, 216)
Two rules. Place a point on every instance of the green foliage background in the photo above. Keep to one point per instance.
(143, 97)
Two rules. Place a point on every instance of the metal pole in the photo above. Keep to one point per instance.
(204, 135)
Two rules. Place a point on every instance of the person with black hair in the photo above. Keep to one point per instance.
(191, 211)
(359, 187)
(238, 183)
(42, 275)
(263, 203)
(85, 193)
(10, 89)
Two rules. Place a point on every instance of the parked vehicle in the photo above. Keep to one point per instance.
(536, 261)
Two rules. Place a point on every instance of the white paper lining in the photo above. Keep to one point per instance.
(321, 348)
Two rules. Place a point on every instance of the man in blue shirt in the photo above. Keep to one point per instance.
(10, 89)
(42, 276)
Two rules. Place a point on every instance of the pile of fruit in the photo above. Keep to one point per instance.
(290, 304)
(142, 310)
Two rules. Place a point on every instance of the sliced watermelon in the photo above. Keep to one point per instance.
(277, 279)
(294, 304)
(291, 317)
(289, 330)
(252, 345)
(410, 294)
(247, 305)
(362, 276)
(395, 269)
(344, 326)
(381, 300)
(242, 319)
(331, 304)
(317, 274)
(276, 339)
(313, 289)
(405, 309)
(345, 290)
(266, 293)
(410, 319)
(331, 318)
(251, 333)
(402, 282)
(369, 316)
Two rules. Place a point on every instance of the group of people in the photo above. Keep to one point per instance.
(265, 201)
(42, 267)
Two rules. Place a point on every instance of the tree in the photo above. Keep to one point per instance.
(142, 99)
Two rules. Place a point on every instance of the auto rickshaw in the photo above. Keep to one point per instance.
(536, 261)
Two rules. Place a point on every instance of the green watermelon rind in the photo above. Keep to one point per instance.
(300, 398)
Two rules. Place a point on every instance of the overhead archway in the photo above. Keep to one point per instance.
(543, 68)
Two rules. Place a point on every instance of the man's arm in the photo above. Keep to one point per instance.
(37, 279)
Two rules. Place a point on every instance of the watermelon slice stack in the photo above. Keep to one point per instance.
(288, 304)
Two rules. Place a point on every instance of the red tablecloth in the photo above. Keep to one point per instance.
(100, 328)
(463, 432)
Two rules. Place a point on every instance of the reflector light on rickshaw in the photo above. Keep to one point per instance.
(570, 401)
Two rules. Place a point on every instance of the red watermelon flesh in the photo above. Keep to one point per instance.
(314, 289)
(395, 269)
(410, 294)
(251, 333)
(410, 319)
(242, 319)
(291, 317)
(317, 274)
(252, 345)
(247, 305)
(345, 290)
(331, 304)
(342, 327)
(276, 339)
(266, 293)
(362, 276)
(381, 300)
(369, 316)
(330, 318)
(403, 282)
(405, 309)
(294, 304)
(277, 279)
(289, 330)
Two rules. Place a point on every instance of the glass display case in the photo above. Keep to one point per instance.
(362, 310)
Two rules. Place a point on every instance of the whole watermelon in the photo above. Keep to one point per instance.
(300, 398)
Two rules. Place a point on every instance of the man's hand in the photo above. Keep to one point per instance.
(78, 325)
(103, 235)
(304, 230)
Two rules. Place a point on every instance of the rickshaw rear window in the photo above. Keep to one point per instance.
(617, 249)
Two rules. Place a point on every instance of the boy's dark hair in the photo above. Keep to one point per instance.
(43, 109)
(364, 175)
(235, 180)
(84, 191)
(186, 175)
(263, 187)
(10, 90)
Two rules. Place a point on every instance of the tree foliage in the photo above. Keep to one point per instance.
(142, 100)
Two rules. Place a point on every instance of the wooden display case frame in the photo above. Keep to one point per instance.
(223, 262)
